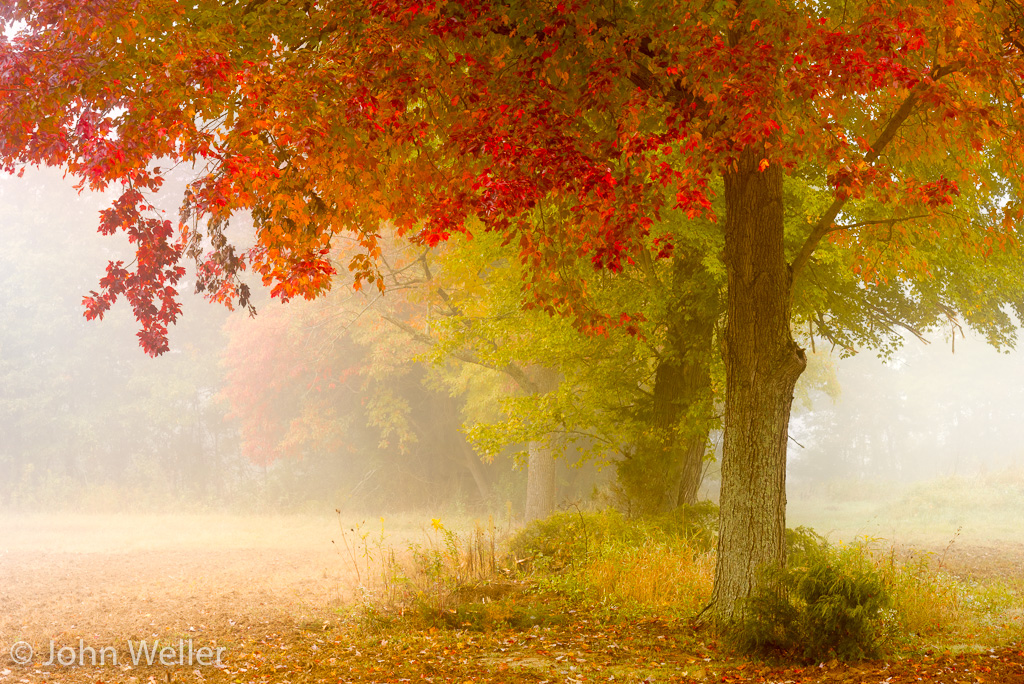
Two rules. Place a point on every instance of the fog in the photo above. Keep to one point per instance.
(947, 408)
(89, 422)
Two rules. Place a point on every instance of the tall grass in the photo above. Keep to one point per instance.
(659, 576)
(940, 608)
(431, 577)
(661, 566)
(484, 577)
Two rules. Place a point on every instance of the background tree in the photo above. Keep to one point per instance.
(333, 385)
(640, 394)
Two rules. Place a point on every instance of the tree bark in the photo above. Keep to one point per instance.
(666, 468)
(541, 487)
(762, 364)
(540, 482)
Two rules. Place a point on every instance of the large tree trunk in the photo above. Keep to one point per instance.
(762, 364)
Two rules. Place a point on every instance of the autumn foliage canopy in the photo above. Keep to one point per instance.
(571, 127)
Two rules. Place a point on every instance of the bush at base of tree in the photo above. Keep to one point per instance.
(828, 602)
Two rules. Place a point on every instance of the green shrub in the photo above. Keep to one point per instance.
(659, 565)
(828, 602)
(569, 538)
(565, 539)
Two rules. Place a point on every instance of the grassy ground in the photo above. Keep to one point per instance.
(983, 509)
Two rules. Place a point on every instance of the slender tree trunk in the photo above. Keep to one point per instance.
(541, 487)
(476, 470)
(762, 364)
(540, 482)
(692, 470)
(445, 425)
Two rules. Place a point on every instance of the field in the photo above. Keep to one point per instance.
(106, 577)
(280, 595)
(972, 526)
(214, 580)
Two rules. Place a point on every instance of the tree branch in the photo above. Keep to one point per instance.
(876, 222)
(826, 223)
(511, 369)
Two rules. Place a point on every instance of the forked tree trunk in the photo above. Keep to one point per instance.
(666, 467)
(681, 431)
(692, 335)
(762, 364)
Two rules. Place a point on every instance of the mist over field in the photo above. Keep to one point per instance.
(270, 475)
(298, 480)
(220, 465)
(90, 423)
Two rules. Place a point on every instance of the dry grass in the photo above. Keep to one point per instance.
(658, 576)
